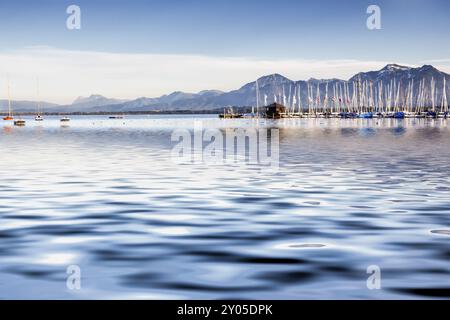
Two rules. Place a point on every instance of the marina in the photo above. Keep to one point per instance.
(355, 99)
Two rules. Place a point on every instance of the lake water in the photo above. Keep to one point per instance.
(105, 195)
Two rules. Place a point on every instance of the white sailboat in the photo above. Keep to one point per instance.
(257, 99)
(38, 116)
(9, 117)
(19, 122)
(299, 92)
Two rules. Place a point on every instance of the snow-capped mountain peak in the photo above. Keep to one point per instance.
(395, 67)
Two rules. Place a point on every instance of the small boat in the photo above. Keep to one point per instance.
(399, 115)
(19, 123)
(348, 115)
(39, 118)
(366, 115)
(116, 117)
(431, 115)
(230, 114)
(8, 118)
(65, 119)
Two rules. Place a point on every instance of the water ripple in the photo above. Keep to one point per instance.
(106, 196)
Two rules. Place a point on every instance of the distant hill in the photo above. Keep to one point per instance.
(272, 88)
(277, 87)
(25, 106)
(405, 75)
(94, 100)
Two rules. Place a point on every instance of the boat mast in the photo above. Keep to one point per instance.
(349, 98)
(309, 98)
(422, 96)
(290, 99)
(318, 97)
(397, 98)
(372, 104)
(345, 97)
(38, 98)
(354, 97)
(294, 100)
(389, 97)
(334, 100)
(257, 97)
(380, 96)
(9, 101)
(409, 98)
(444, 97)
(419, 97)
(432, 87)
(360, 102)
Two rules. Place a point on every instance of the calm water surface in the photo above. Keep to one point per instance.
(104, 195)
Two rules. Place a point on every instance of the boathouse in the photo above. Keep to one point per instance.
(275, 110)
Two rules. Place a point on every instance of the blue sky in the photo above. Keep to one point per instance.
(413, 31)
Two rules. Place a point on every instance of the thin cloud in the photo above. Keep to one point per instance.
(437, 60)
(66, 74)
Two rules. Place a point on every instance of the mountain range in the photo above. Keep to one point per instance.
(271, 87)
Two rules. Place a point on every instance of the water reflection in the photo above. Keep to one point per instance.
(106, 196)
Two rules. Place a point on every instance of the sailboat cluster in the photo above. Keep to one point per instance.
(362, 99)
(39, 115)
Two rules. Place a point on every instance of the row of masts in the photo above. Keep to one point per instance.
(361, 97)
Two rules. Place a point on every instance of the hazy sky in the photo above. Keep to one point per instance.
(127, 49)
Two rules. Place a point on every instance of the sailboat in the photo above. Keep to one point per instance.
(39, 116)
(9, 117)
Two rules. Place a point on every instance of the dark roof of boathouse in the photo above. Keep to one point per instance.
(275, 105)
